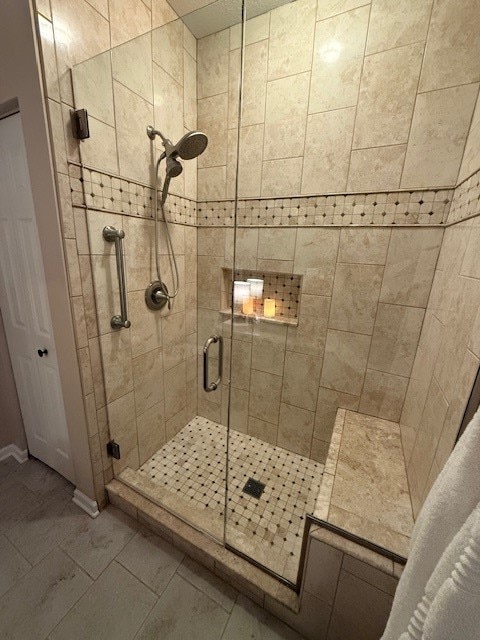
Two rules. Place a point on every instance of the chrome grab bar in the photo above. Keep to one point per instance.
(212, 385)
(110, 234)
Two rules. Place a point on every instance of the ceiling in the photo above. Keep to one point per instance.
(204, 17)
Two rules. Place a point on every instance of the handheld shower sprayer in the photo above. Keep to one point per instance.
(191, 145)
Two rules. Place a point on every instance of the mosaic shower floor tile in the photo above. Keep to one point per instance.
(187, 476)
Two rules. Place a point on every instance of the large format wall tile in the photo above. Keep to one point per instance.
(327, 151)
(376, 168)
(471, 156)
(364, 246)
(315, 257)
(295, 429)
(127, 70)
(453, 48)
(291, 39)
(437, 139)
(387, 96)
(383, 395)
(286, 116)
(282, 176)
(80, 31)
(128, 19)
(301, 377)
(92, 81)
(168, 100)
(338, 59)
(265, 391)
(394, 23)
(410, 266)
(167, 49)
(355, 296)
(212, 119)
(254, 88)
(345, 361)
(131, 114)
(395, 338)
(213, 55)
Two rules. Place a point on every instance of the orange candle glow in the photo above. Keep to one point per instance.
(269, 308)
(247, 306)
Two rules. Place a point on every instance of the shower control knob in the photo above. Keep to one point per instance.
(42, 352)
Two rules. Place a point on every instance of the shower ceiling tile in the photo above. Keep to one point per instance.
(204, 17)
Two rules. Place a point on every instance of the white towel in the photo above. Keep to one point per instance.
(440, 533)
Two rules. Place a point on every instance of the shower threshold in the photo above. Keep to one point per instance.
(187, 477)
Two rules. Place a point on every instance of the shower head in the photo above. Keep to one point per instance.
(191, 145)
(174, 168)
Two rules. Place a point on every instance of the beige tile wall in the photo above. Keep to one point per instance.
(123, 372)
(448, 355)
(355, 358)
(357, 96)
(363, 299)
(347, 591)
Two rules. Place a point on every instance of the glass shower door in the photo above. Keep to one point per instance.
(274, 473)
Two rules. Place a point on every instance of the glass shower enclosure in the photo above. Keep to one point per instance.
(206, 321)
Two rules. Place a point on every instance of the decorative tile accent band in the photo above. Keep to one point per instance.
(99, 190)
(466, 202)
(380, 209)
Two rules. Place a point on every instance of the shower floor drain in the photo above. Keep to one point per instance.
(254, 488)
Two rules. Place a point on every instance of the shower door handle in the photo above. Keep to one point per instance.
(212, 386)
(110, 234)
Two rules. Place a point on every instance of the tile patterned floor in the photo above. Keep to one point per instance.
(188, 475)
(65, 576)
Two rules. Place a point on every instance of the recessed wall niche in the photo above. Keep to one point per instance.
(284, 288)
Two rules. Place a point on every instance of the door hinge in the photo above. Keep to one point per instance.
(113, 449)
(80, 128)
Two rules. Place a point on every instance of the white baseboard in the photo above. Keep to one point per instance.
(20, 455)
(85, 503)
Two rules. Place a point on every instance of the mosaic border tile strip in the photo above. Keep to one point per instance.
(466, 201)
(426, 207)
(99, 190)
(190, 468)
(388, 208)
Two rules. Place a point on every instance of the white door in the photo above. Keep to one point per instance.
(25, 308)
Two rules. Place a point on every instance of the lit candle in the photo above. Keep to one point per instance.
(241, 291)
(269, 308)
(247, 306)
(256, 287)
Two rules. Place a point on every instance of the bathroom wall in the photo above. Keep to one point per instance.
(448, 355)
(12, 431)
(124, 89)
(362, 305)
(21, 79)
(340, 97)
